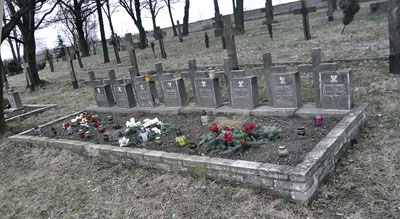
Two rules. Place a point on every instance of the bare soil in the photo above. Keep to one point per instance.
(24, 110)
(191, 126)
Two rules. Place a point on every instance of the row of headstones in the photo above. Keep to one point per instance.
(333, 88)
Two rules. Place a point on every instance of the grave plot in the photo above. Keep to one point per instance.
(17, 110)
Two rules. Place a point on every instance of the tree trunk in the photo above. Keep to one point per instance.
(172, 19)
(30, 54)
(394, 36)
(83, 45)
(102, 34)
(239, 13)
(12, 49)
(217, 14)
(139, 25)
(3, 125)
(186, 19)
(17, 46)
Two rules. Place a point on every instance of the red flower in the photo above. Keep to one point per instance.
(227, 137)
(96, 124)
(249, 127)
(78, 120)
(89, 117)
(54, 131)
(281, 135)
(214, 129)
(227, 128)
(82, 134)
(66, 125)
(102, 130)
(243, 142)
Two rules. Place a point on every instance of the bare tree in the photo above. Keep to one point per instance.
(168, 3)
(154, 6)
(102, 33)
(186, 19)
(80, 11)
(107, 10)
(133, 8)
(28, 25)
(238, 12)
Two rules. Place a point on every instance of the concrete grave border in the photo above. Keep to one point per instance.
(41, 108)
(298, 183)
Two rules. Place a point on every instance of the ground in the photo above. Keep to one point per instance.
(43, 183)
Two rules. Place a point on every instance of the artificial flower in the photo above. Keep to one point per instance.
(89, 117)
(156, 130)
(149, 122)
(96, 124)
(214, 129)
(123, 141)
(67, 125)
(249, 127)
(243, 142)
(132, 124)
(102, 130)
(226, 128)
(82, 134)
(227, 137)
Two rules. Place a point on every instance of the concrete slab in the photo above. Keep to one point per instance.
(265, 111)
(309, 110)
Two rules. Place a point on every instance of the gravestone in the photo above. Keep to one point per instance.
(13, 98)
(330, 10)
(116, 51)
(316, 67)
(286, 90)
(50, 60)
(71, 68)
(378, 7)
(206, 40)
(174, 92)
(123, 92)
(160, 38)
(336, 90)
(191, 74)
(394, 36)
(226, 74)
(208, 92)
(104, 96)
(244, 91)
(131, 51)
(304, 11)
(180, 35)
(230, 41)
(146, 92)
(77, 53)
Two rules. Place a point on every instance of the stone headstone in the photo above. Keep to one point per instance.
(244, 93)
(394, 36)
(104, 96)
(124, 96)
(191, 74)
(208, 92)
(13, 97)
(286, 90)
(378, 7)
(71, 68)
(131, 51)
(174, 93)
(230, 41)
(336, 90)
(146, 92)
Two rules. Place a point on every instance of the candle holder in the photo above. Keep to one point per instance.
(318, 120)
(192, 148)
(158, 140)
(37, 130)
(301, 132)
(180, 139)
(106, 138)
(204, 118)
(282, 151)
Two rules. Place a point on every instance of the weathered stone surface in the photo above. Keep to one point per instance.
(286, 90)
(244, 93)
(174, 93)
(336, 90)
(103, 95)
(208, 92)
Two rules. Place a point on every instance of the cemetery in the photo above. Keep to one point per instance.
(293, 117)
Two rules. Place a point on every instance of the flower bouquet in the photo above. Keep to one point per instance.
(231, 142)
(83, 124)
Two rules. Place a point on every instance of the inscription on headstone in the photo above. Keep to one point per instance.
(103, 95)
(208, 92)
(286, 90)
(336, 90)
(146, 92)
(244, 93)
(174, 93)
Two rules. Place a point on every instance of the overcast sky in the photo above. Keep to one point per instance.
(199, 10)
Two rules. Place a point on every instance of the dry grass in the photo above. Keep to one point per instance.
(48, 183)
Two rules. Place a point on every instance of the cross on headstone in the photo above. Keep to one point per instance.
(132, 52)
(78, 55)
(50, 60)
(191, 75)
(394, 36)
(266, 70)
(26, 70)
(243, 91)
(161, 42)
(179, 31)
(269, 16)
(230, 41)
(226, 75)
(114, 42)
(304, 11)
(316, 67)
(71, 68)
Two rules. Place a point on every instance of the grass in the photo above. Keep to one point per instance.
(50, 183)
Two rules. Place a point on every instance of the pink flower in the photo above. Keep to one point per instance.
(243, 142)
(249, 127)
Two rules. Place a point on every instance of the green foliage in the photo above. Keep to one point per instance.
(231, 142)
(349, 8)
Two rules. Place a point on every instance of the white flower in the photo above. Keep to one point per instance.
(150, 122)
(73, 120)
(156, 130)
(123, 141)
(132, 124)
